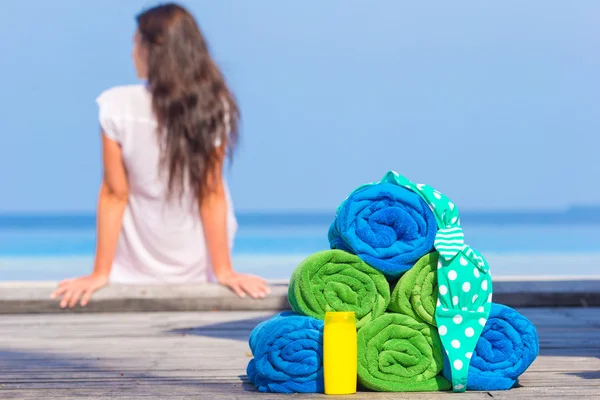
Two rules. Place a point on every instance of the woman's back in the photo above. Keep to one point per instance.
(162, 239)
(164, 211)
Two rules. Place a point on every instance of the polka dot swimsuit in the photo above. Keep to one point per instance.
(464, 283)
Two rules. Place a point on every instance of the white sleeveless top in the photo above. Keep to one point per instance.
(161, 241)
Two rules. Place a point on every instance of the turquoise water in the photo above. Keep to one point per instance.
(305, 240)
(34, 248)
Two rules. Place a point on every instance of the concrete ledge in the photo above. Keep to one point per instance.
(548, 292)
(33, 297)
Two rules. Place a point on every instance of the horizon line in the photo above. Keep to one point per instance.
(299, 212)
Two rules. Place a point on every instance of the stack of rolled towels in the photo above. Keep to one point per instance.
(385, 258)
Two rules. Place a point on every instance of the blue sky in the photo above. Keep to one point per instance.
(493, 103)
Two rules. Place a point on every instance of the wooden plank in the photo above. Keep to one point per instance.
(565, 392)
(534, 376)
(217, 393)
(176, 390)
(191, 363)
(236, 341)
(565, 363)
(549, 379)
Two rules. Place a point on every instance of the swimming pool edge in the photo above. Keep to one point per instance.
(34, 297)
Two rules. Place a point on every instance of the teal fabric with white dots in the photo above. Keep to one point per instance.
(464, 282)
(464, 303)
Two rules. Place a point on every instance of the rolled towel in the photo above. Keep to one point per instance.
(507, 347)
(396, 353)
(416, 292)
(288, 355)
(333, 280)
(388, 226)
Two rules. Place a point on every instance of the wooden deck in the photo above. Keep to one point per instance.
(203, 355)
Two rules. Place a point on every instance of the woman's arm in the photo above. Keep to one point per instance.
(213, 212)
(111, 206)
(114, 194)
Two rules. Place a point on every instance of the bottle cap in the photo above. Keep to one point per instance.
(339, 316)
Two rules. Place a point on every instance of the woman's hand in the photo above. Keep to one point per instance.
(71, 290)
(242, 284)
(112, 201)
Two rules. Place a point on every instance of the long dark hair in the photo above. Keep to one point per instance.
(192, 103)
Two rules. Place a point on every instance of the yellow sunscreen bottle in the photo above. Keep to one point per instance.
(339, 353)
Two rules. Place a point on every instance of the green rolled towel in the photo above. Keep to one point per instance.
(416, 293)
(397, 353)
(334, 280)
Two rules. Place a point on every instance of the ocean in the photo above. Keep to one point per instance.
(54, 247)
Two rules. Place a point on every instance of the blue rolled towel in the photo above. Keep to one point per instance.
(288, 355)
(507, 347)
(386, 225)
